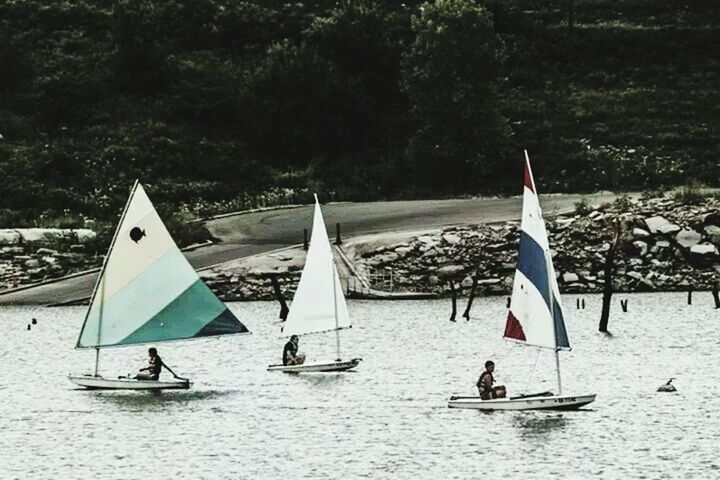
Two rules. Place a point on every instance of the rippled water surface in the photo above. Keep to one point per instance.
(387, 420)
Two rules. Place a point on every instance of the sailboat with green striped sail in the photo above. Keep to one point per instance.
(147, 292)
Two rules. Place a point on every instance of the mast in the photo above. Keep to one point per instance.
(548, 261)
(100, 278)
(337, 326)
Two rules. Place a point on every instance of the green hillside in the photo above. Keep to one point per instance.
(220, 105)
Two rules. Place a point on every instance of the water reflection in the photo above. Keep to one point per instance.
(154, 398)
(534, 425)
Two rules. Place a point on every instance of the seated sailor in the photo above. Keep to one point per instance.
(290, 352)
(485, 383)
(152, 371)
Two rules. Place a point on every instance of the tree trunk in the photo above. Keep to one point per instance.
(608, 287)
(466, 314)
(454, 301)
(284, 310)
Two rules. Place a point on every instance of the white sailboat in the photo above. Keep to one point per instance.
(536, 313)
(319, 304)
(147, 292)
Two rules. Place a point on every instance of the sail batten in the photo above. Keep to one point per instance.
(148, 291)
(314, 308)
(536, 313)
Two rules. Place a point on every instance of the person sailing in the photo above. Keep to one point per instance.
(485, 383)
(155, 365)
(290, 352)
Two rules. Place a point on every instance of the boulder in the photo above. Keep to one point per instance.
(9, 237)
(658, 224)
(569, 277)
(687, 238)
(641, 247)
(467, 282)
(640, 233)
(46, 251)
(451, 238)
(449, 270)
(704, 249)
(713, 233)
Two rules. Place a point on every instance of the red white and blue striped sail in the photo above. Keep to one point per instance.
(536, 313)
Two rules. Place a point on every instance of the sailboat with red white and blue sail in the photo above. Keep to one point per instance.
(536, 313)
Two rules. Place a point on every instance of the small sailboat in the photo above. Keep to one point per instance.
(536, 314)
(147, 292)
(319, 304)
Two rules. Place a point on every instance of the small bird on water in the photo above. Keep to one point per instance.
(668, 387)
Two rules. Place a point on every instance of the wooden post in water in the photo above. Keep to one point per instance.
(716, 294)
(454, 301)
(305, 239)
(583, 304)
(690, 295)
(577, 304)
(466, 314)
(623, 305)
(338, 239)
(608, 287)
(508, 302)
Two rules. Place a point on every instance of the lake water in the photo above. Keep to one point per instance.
(387, 420)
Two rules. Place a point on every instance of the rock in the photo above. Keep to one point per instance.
(641, 246)
(713, 233)
(449, 270)
(9, 237)
(640, 233)
(687, 238)
(569, 277)
(467, 282)
(658, 224)
(662, 244)
(77, 248)
(32, 263)
(451, 238)
(704, 249)
(403, 251)
(433, 280)
(46, 251)
(12, 250)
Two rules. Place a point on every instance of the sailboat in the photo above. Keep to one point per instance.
(319, 304)
(147, 292)
(536, 313)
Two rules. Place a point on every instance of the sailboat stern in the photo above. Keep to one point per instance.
(550, 402)
(91, 382)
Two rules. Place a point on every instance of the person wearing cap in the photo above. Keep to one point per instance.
(290, 352)
(485, 383)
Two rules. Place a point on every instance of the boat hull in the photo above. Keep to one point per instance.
(101, 383)
(563, 402)
(340, 366)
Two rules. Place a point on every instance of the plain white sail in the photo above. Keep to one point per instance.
(319, 303)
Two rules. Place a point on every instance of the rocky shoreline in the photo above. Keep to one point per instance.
(665, 245)
(32, 255)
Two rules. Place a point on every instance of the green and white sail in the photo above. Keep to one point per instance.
(148, 291)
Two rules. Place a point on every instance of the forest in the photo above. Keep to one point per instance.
(219, 105)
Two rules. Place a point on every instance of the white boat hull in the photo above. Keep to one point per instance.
(340, 366)
(102, 383)
(563, 402)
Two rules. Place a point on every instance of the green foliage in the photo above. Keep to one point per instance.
(219, 105)
(449, 74)
(582, 207)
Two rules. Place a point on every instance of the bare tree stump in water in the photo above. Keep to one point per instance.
(608, 287)
(689, 295)
(454, 301)
(716, 294)
(466, 314)
(284, 310)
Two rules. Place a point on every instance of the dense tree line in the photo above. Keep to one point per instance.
(214, 100)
